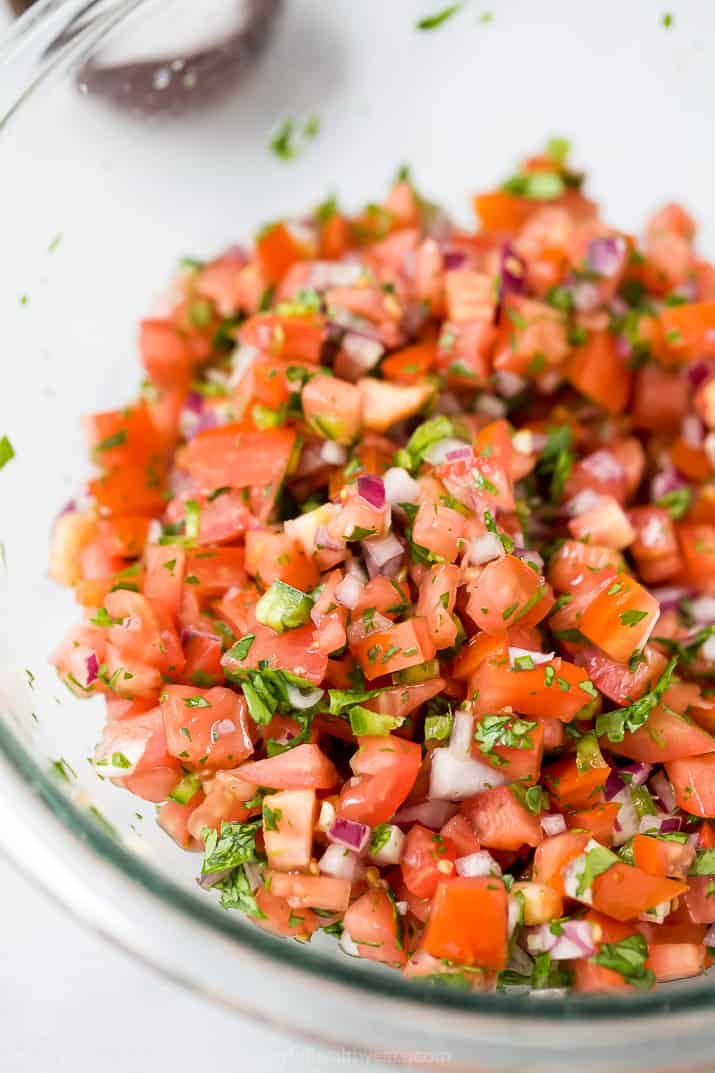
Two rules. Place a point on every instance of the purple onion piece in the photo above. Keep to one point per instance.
(92, 668)
(699, 371)
(371, 488)
(194, 402)
(639, 772)
(614, 785)
(605, 256)
(671, 825)
(454, 259)
(323, 539)
(458, 453)
(210, 879)
(667, 480)
(512, 275)
(349, 833)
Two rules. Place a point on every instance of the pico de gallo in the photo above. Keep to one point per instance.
(398, 583)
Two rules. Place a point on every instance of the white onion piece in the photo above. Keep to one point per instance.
(347, 945)
(129, 749)
(709, 939)
(491, 405)
(708, 650)
(691, 430)
(509, 385)
(703, 610)
(242, 360)
(660, 784)
(437, 452)
(582, 502)
(432, 814)
(460, 739)
(709, 445)
(354, 568)
(514, 914)
(649, 825)
(554, 824)
(455, 778)
(391, 851)
(523, 441)
(485, 548)
(300, 700)
(480, 863)
(537, 658)
(627, 820)
(400, 487)
(334, 454)
(657, 914)
(349, 591)
(326, 817)
(341, 863)
(575, 941)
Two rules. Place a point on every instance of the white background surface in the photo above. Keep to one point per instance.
(71, 1002)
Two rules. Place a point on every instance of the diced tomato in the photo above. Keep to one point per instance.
(385, 772)
(405, 645)
(621, 618)
(677, 961)
(166, 354)
(372, 923)
(272, 556)
(410, 364)
(572, 783)
(700, 899)
(460, 833)
(131, 489)
(280, 917)
(333, 408)
(693, 782)
(238, 457)
(667, 736)
(556, 688)
(521, 764)
(617, 680)
(500, 821)
(174, 817)
(599, 820)
(554, 854)
(599, 372)
(303, 768)
(662, 858)
(438, 529)
(277, 250)
(427, 858)
(165, 566)
(468, 922)
(206, 728)
(508, 593)
(624, 892)
(295, 651)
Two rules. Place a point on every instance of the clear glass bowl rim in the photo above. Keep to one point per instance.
(27, 40)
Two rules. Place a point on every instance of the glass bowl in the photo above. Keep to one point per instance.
(107, 185)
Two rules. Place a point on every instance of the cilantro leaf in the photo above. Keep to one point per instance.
(615, 724)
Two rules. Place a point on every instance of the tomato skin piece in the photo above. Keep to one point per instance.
(500, 821)
(530, 692)
(468, 922)
(623, 892)
(295, 651)
(427, 859)
(239, 457)
(599, 820)
(174, 817)
(272, 556)
(554, 854)
(700, 900)
(621, 622)
(598, 372)
(304, 767)
(288, 837)
(677, 961)
(165, 566)
(693, 782)
(370, 922)
(616, 680)
(215, 734)
(386, 768)
(572, 787)
(376, 653)
(662, 858)
(506, 594)
(666, 736)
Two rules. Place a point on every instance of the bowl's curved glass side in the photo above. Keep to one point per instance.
(115, 203)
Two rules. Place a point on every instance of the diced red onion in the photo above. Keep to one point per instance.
(383, 555)
(84, 665)
(432, 814)
(400, 487)
(484, 549)
(614, 785)
(508, 385)
(537, 658)
(342, 863)
(454, 259)
(623, 347)
(667, 480)
(671, 825)
(639, 772)
(669, 596)
(649, 824)
(188, 632)
(300, 700)
(480, 863)
(349, 591)
(325, 539)
(660, 785)
(699, 371)
(447, 404)
(446, 449)
(574, 941)
(391, 851)
(605, 256)
(349, 833)
(210, 879)
(586, 295)
(350, 322)
(194, 402)
(554, 824)
(692, 431)
(512, 273)
(414, 318)
(372, 489)
(354, 568)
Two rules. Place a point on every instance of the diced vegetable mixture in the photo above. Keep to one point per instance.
(398, 582)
